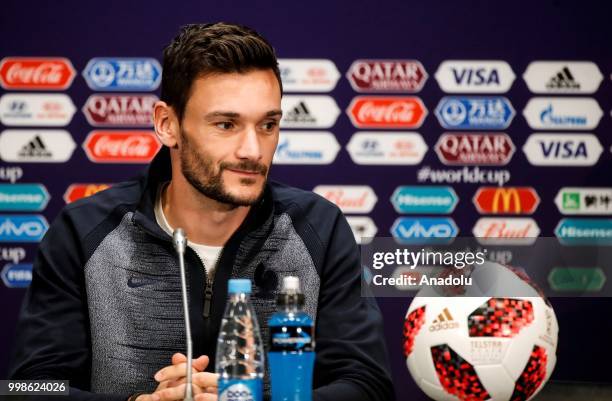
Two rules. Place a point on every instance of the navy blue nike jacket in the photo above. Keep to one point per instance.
(104, 307)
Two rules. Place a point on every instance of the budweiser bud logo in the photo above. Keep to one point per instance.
(506, 231)
(32, 73)
(121, 146)
(349, 198)
(387, 112)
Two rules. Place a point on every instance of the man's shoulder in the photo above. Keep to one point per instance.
(126, 193)
(88, 212)
(309, 203)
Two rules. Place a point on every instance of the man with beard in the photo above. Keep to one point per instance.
(104, 307)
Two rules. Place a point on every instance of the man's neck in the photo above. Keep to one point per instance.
(204, 220)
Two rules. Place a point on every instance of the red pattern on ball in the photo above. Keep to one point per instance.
(500, 317)
(532, 377)
(456, 375)
(413, 323)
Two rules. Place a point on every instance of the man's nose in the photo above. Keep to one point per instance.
(249, 147)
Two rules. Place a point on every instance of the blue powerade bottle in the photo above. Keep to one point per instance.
(240, 357)
(291, 355)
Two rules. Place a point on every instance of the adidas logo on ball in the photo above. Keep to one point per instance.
(444, 321)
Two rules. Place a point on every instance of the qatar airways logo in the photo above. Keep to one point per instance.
(387, 112)
(387, 75)
(112, 110)
(121, 146)
(349, 198)
(474, 148)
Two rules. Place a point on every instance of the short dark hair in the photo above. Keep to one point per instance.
(201, 49)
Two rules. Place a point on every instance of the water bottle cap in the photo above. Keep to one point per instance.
(291, 284)
(236, 286)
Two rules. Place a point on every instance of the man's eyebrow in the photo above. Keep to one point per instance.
(234, 115)
(227, 114)
(274, 113)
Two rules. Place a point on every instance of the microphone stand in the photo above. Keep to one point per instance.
(179, 240)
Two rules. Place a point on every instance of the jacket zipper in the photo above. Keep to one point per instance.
(208, 291)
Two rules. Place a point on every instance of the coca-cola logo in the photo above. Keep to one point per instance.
(475, 149)
(36, 73)
(121, 146)
(119, 110)
(387, 112)
(387, 75)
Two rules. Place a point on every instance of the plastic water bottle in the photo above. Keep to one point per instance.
(240, 356)
(292, 345)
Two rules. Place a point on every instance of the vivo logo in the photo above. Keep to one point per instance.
(22, 228)
(409, 230)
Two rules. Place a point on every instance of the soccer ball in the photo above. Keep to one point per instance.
(479, 348)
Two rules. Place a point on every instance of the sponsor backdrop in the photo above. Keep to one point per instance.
(420, 120)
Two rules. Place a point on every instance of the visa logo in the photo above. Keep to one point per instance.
(564, 150)
(22, 228)
(475, 76)
(556, 149)
(438, 230)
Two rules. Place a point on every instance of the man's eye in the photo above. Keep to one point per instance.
(270, 125)
(225, 125)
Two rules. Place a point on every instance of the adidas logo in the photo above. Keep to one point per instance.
(563, 80)
(300, 114)
(444, 321)
(34, 148)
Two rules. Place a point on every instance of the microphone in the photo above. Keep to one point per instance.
(179, 240)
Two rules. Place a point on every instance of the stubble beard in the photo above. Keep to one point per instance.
(199, 171)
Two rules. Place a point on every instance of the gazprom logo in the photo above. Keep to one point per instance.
(424, 199)
(17, 275)
(584, 231)
(22, 227)
(426, 230)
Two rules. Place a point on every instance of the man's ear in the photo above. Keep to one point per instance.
(166, 124)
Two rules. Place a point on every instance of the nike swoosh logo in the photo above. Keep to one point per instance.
(135, 282)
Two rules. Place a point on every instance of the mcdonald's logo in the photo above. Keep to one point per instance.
(506, 200)
(78, 191)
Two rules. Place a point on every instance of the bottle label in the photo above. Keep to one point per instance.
(240, 390)
(291, 338)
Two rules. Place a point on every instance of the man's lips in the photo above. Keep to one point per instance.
(244, 172)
